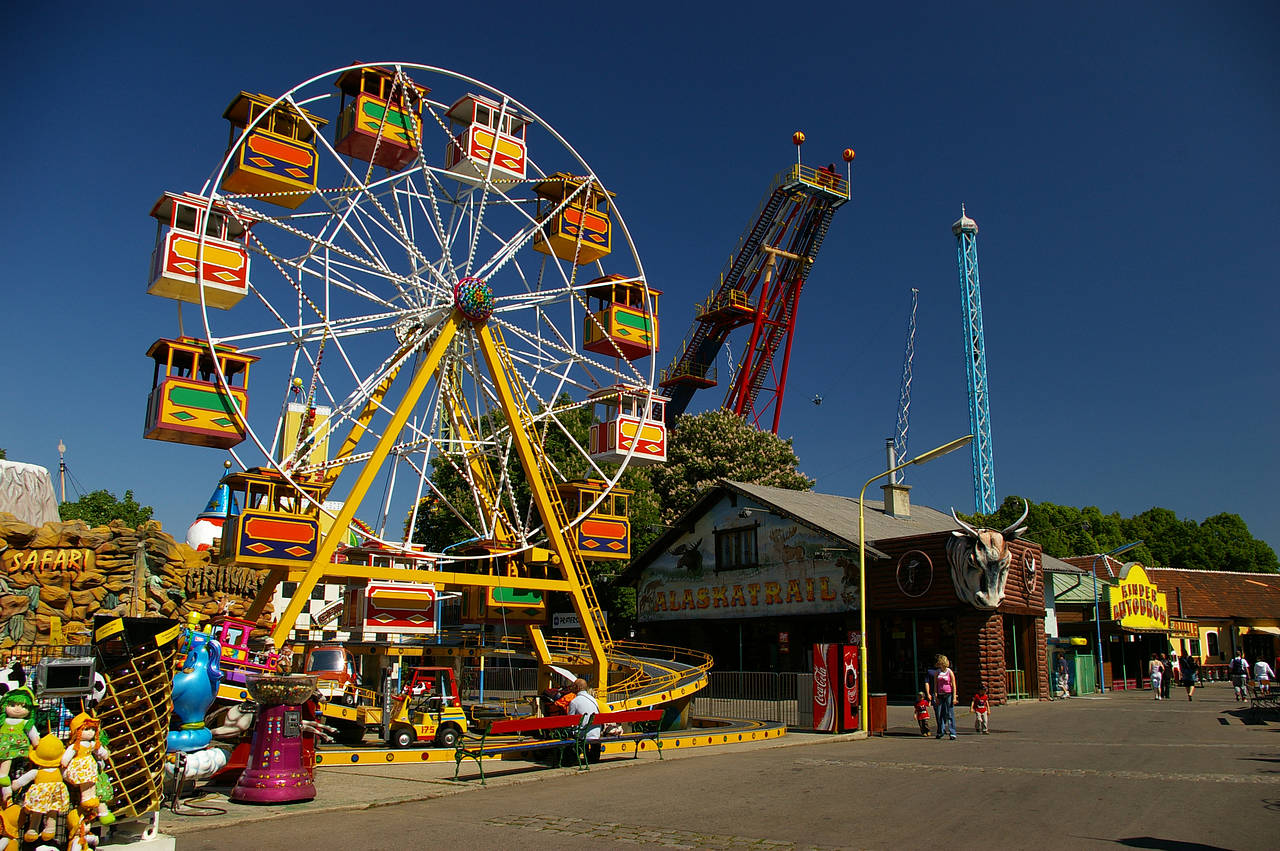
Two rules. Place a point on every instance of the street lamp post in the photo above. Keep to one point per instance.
(1097, 621)
(862, 564)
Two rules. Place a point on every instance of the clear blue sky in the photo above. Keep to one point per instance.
(1120, 160)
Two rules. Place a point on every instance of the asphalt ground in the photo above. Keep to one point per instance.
(1114, 770)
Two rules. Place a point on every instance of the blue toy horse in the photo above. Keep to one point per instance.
(194, 689)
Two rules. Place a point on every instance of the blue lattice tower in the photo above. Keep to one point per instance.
(984, 474)
(904, 392)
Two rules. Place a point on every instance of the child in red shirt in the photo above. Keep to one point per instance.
(981, 707)
(922, 713)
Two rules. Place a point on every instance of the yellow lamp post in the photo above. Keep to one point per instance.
(862, 564)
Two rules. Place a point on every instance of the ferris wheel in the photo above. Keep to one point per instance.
(443, 278)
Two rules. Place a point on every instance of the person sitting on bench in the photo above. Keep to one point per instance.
(585, 703)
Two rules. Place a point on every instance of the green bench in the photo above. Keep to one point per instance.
(557, 732)
(536, 734)
(646, 724)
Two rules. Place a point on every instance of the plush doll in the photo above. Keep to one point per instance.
(17, 732)
(79, 837)
(80, 765)
(48, 797)
(10, 827)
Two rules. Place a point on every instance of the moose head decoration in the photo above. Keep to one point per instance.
(980, 560)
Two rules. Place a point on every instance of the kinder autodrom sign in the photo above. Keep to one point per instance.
(1136, 603)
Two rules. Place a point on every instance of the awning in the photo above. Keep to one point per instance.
(1265, 630)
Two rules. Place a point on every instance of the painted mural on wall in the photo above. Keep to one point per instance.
(55, 577)
(980, 560)
(729, 566)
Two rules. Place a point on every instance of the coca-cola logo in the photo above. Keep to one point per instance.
(821, 687)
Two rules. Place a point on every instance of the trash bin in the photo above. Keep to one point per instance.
(877, 712)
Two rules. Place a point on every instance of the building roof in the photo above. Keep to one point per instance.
(838, 515)
(1057, 565)
(1218, 593)
(1206, 594)
(1108, 568)
(828, 514)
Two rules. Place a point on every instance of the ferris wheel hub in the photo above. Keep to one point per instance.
(474, 298)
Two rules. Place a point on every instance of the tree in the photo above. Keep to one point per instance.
(4, 456)
(1221, 542)
(101, 507)
(706, 447)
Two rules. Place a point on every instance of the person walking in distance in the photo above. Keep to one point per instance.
(1239, 670)
(981, 707)
(1263, 673)
(1188, 666)
(1064, 677)
(1169, 674)
(1155, 670)
(945, 689)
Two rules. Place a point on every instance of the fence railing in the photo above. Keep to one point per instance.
(784, 697)
(757, 696)
(500, 683)
(1015, 683)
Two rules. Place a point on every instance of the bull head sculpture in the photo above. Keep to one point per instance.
(980, 560)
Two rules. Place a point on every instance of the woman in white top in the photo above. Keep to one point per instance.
(1263, 674)
(1156, 670)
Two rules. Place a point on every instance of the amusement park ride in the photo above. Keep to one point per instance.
(760, 287)
(426, 296)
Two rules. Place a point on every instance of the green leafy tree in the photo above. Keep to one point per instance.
(1221, 542)
(4, 456)
(101, 507)
(713, 445)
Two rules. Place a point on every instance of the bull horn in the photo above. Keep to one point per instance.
(972, 531)
(1013, 529)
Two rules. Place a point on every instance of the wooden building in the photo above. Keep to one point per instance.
(756, 575)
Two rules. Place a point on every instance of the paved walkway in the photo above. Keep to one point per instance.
(1087, 772)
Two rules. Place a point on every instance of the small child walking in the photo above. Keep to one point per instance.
(981, 707)
(922, 713)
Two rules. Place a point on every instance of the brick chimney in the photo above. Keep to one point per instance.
(897, 499)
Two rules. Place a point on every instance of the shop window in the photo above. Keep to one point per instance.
(736, 548)
(1195, 647)
(1212, 638)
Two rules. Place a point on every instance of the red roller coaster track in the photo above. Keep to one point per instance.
(759, 287)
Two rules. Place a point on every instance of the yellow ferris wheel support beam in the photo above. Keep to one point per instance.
(576, 582)
(548, 502)
(322, 563)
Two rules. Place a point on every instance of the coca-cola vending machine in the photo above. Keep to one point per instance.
(849, 692)
(835, 687)
(826, 681)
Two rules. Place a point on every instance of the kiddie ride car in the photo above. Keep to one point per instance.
(428, 709)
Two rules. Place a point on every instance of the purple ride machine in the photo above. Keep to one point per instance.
(282, 757)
